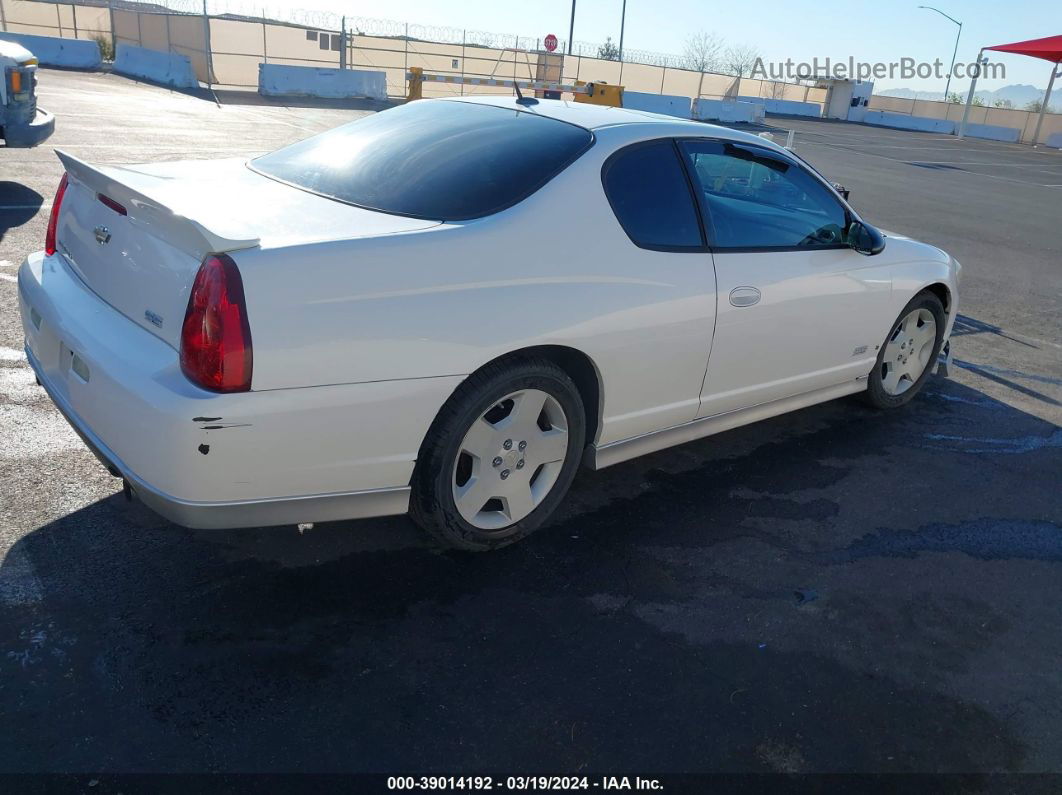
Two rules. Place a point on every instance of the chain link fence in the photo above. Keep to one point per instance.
(226, 40)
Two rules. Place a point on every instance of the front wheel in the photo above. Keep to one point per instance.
(906, 358)
(500, 456)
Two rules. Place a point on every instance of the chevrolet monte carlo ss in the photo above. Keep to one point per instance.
(447, 307)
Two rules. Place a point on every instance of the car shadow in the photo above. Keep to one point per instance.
(731, 605)
(18, 205)
(967, 325)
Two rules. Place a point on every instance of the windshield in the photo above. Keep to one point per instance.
(441, 160)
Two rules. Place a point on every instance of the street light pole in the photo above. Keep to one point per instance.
(951, 71)
(571, 29)
(1047, 99)
(981, 61)
(623, 22)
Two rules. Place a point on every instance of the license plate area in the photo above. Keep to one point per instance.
(71, 365)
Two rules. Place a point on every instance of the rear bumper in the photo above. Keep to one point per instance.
(211, 460)
(245, 513)
(31, 134)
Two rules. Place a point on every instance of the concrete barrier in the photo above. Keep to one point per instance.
(275, 80)
(901, 121)
(166, 68)
(53, 51)
(992, 132)
(1055, 140)
(727, 110)
(786, 107)
(666, 104)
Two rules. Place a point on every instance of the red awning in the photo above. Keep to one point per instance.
(1050, 49)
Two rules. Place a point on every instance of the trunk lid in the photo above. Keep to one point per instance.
(143, 263)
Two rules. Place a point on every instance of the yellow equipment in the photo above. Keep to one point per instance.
(594, 93)
(601, 93)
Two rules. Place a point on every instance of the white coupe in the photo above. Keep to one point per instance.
(447, 307)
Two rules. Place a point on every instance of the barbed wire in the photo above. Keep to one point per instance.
(378, 27)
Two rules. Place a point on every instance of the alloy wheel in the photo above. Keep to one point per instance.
(510, 459)
(907, 351)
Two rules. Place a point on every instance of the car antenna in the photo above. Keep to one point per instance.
(520, 98)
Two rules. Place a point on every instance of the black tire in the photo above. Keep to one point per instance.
(876, 395)
(432, 501)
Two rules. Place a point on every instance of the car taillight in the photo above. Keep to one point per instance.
(53, 219)
(215, 337)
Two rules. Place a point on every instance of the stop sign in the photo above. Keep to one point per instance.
(550, 42)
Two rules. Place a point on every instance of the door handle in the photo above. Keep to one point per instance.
(744, 296)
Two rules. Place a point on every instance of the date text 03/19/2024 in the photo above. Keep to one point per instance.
(522, 783)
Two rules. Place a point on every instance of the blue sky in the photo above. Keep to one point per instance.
(870, 31)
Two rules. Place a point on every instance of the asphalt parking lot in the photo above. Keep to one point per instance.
(835, 590)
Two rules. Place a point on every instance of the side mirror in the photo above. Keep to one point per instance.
(865, 239)
(845, 193)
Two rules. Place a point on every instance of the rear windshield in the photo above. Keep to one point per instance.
(440, 160)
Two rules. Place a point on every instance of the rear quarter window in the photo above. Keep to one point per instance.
(650, 195)
(447, 161)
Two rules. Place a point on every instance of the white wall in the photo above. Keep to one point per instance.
(53, 51)
(901, 121)
(276, 80)
(667, 104)
(993, 132)
(727, 110)
(166, 68)
(787, 107)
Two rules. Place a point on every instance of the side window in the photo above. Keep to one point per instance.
(756, 198)
(650, 195)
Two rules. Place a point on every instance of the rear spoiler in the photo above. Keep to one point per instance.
(168, 222)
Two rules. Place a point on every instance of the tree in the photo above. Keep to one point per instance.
(703, 52)
(978, 102)
(608, 51)
(955, 98)
(1003, 103)
(106, 46)
(740, 59)
(1036, 106)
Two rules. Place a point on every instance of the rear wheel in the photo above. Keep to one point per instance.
(906, 358)
(500, 456)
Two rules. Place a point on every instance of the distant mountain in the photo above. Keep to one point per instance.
(1018, 95)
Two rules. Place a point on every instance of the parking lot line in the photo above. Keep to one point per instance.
(957, 171)
(947, 148)
(149, 147)
(983, 163)
(911, 141)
